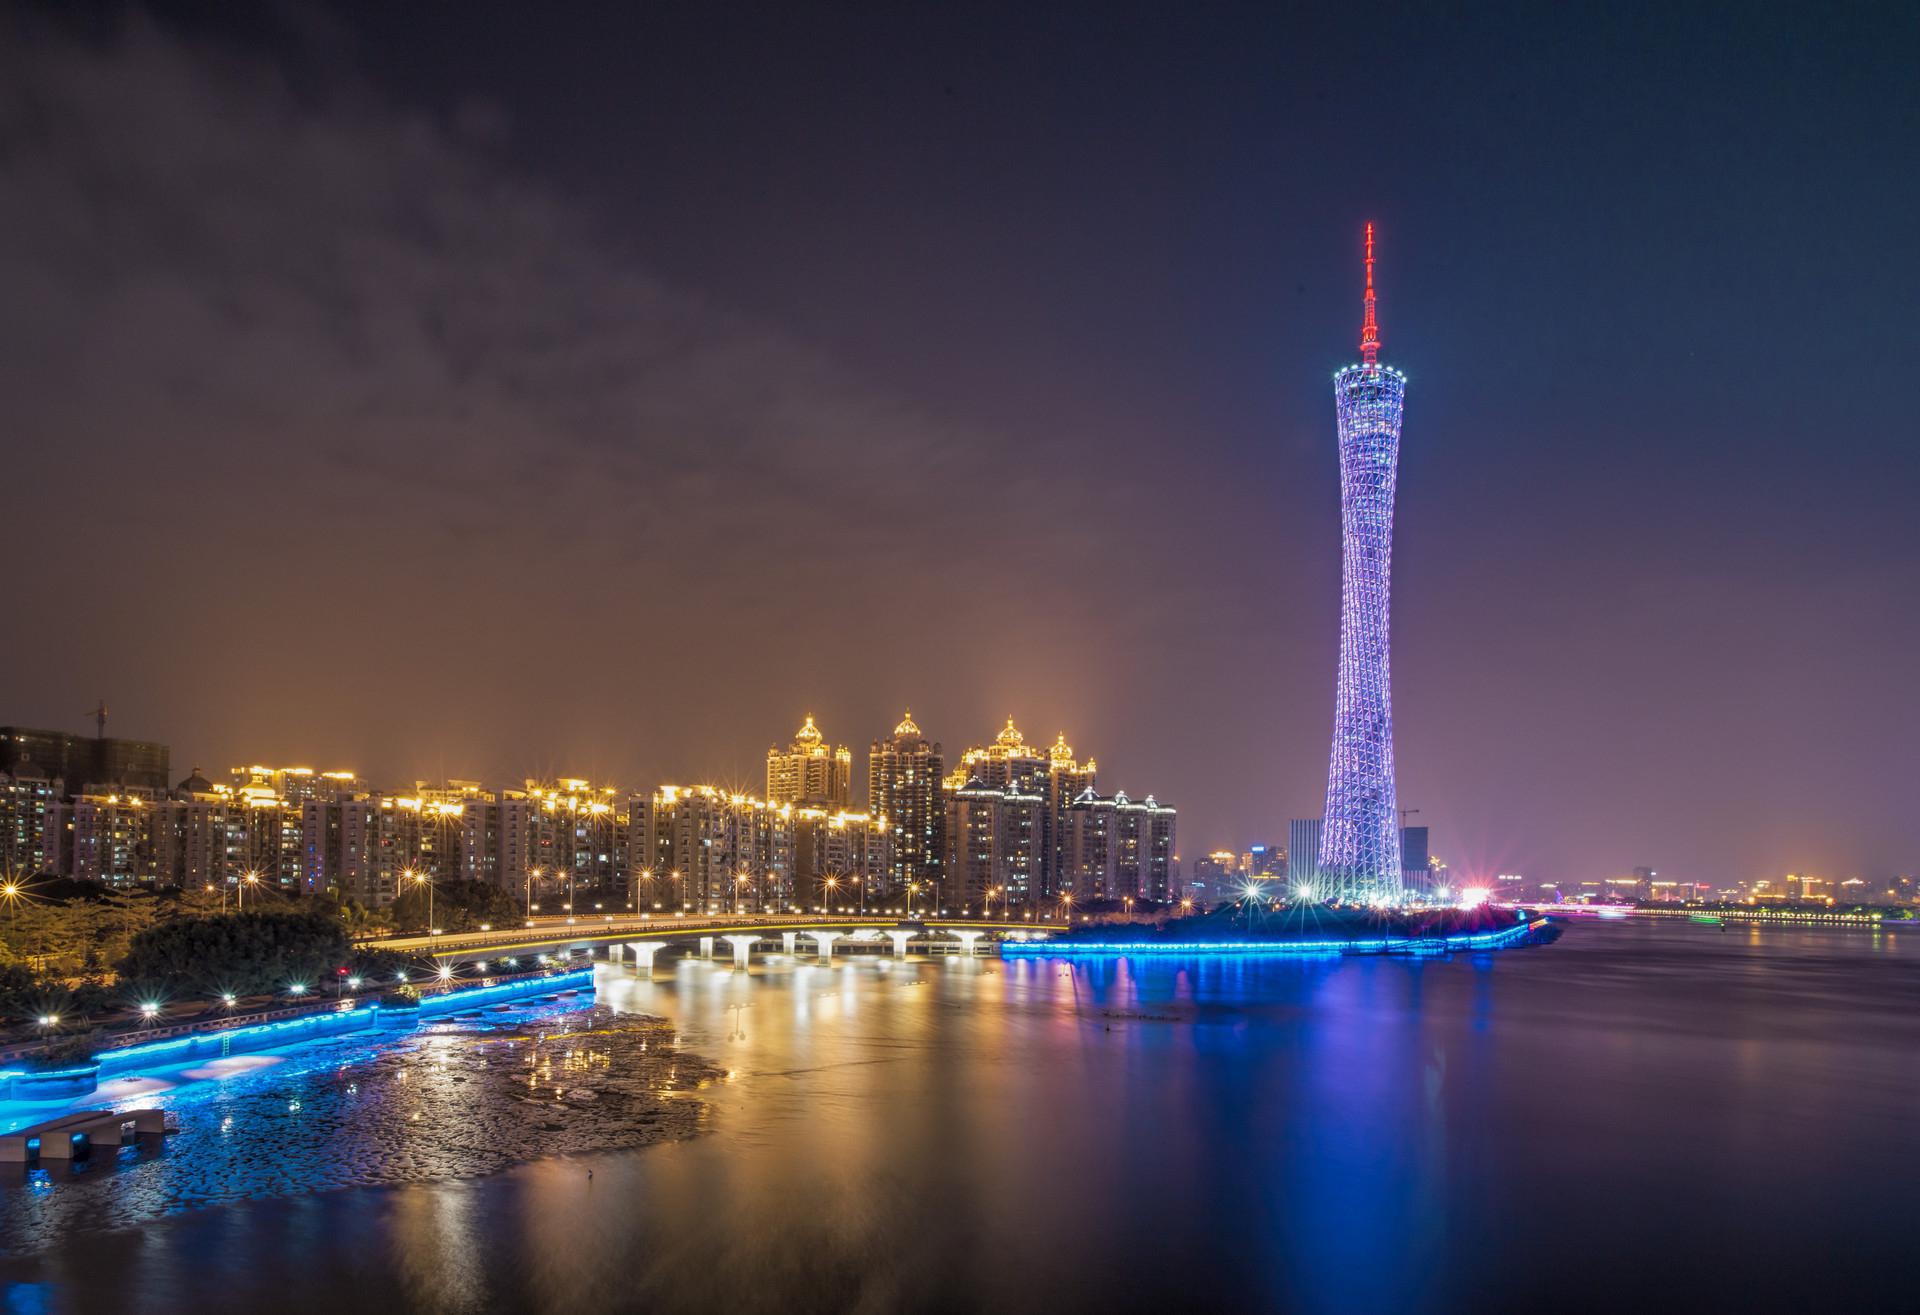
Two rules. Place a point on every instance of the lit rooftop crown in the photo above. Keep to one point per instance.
(1010, 735)
(906, 726)
(808, 734)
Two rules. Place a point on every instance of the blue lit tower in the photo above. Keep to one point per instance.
(1360, 836)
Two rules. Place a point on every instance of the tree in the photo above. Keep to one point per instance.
(247, 953)
(456, 906)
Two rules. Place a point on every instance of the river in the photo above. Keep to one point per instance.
(1646, 1114)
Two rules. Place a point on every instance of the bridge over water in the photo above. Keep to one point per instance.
(641, 938)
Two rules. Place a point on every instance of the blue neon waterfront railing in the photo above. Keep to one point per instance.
(330, 1022)
(1316, 948)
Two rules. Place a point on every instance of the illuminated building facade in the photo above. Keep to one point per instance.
(104, 837)
(26, 793)
(1008, 761)
(1067, 779)
(702, 848)
(578, 837)
(810, 772)
(847, 848)
(1303, 858)
(996, 846)
(296, 785)
(1119, 848)
(1360, 838)
(903, 785)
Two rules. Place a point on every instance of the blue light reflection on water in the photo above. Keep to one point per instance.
(471, 1092)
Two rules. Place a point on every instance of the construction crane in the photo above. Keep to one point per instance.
(99, 715)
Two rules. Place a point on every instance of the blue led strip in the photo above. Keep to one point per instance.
(1296, 949)
(326, 1023)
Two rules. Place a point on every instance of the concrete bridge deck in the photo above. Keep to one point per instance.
(558, 934)
(68, 1135)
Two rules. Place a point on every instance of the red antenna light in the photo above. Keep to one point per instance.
(1369, 330)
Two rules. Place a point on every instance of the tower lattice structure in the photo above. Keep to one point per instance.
(1359, 856)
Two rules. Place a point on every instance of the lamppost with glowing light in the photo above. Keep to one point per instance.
(531, 874)
(832, 884)
(11, 892)
(247, 878)
(422, 879)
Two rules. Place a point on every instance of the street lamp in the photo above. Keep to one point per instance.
(422, 879)
(531, 874)
(247, 878)
(740, 879)
(11, 893)
(832, 884)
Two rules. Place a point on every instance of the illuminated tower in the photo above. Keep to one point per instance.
(1360, 836)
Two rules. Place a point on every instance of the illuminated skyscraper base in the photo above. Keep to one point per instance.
(1360, 835)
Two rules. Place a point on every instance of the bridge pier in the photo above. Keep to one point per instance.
(967, 939)
(825, 940)
(706, 947)
(789, 940)
(643, 952)
(742, 948)
(900, 939)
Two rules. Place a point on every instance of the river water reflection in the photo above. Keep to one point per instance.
(1644, 1114)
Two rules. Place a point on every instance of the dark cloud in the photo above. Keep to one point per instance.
(314, 390)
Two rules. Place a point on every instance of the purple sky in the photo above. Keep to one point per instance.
(514, 396)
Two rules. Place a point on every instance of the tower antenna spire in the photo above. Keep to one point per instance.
(1369, 329)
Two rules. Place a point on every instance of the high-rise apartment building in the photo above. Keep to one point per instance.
(104, 837)
(996, 845)
(1067, 780)
(1303, 858)
(810, 772)
(903, 785)
(1119, 848)
(848, 849)
(1009, 760)
(497, 842)
(704, 848)
(1415, 858)
(579, 837)
(1010, 763)
(95, 765)
(26, 793)
(295, 785)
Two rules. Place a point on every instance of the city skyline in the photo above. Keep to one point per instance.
(307, 489)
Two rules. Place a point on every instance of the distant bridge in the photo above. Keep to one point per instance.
(644, 936)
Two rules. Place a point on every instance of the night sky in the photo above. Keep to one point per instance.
(500, 390)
